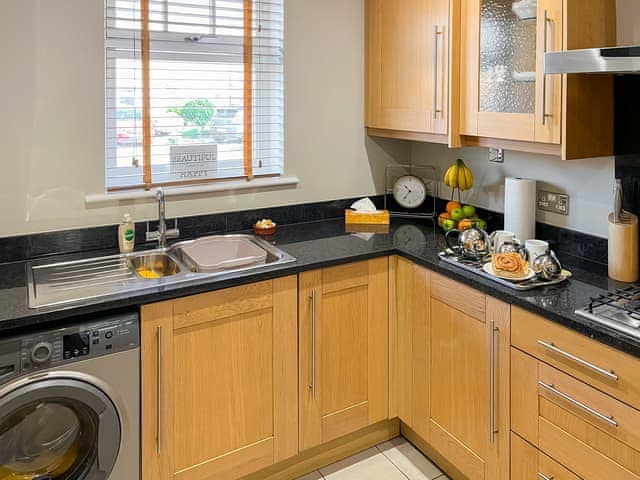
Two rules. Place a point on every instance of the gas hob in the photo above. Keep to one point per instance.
(618, 310)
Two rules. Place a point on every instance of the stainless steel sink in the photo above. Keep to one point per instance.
(154, 265)
(83, 281)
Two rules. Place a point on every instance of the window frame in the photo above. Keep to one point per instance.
(119, 43)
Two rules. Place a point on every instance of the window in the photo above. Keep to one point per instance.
(194, 91)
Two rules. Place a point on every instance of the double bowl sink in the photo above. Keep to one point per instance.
(82, 281)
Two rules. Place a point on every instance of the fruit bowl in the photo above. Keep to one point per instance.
(460, 217)
(264, 227)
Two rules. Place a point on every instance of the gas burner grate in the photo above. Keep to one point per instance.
(627, 300)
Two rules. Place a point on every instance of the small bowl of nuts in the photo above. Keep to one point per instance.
(264, 227)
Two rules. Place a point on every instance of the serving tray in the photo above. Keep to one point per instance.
(475, 266)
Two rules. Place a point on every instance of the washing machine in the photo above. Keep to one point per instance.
(70, 401)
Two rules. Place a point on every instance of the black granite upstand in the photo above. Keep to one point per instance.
(326, 243)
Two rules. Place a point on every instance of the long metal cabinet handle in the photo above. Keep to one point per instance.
(606, 373)
(545, 33)
(583, 406)
(159, 389)
(542, 476)
(436, 49)
(492, 380)
(312, 385)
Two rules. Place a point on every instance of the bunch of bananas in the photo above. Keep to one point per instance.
(459, 176)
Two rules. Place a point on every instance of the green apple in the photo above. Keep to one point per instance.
(457, 214)
(481, 224)
(449, 224)
(469, 211)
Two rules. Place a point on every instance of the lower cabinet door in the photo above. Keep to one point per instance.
(219, 392)
(344, 350)
(592, 434)
(527, 463)
(466, 417)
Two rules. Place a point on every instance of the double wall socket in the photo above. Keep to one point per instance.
(553, 202)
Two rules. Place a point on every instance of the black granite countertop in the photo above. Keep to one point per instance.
(326, 243)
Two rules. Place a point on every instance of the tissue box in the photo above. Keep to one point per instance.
(379, 217)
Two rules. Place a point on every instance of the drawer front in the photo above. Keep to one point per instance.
(528, 463)
(591, 433)
(607, 369)
(221, 304)
(459, 296)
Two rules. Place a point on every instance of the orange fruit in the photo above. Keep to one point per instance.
(452, 205)
(464, 224)
(442, 217)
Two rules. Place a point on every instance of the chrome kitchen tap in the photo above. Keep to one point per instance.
(162, 233)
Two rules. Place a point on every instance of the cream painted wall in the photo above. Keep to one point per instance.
(51, 126)
(52, 121)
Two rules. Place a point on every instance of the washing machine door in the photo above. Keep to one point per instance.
(57, 429)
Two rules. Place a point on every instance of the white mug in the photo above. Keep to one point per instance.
(535, 249)
(498, 237)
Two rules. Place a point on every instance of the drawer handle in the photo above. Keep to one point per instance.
(601, 416)
(606, 373)
(542, 476)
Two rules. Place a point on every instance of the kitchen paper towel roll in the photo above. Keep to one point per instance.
(520, 207)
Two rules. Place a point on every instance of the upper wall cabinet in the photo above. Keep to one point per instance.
(408, 69)
(471, 72)
(504, 93)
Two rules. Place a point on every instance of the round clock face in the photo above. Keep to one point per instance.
(409, 191)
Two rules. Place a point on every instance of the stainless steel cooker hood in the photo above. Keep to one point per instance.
(594, 60)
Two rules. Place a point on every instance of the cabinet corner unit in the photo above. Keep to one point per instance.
(450, 370)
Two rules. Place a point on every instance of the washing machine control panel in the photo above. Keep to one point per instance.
(50, 348)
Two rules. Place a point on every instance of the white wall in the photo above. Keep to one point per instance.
(52, 120)
(589, 183)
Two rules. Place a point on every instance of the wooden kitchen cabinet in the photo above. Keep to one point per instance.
(528, 463)
(505, 98)
(575, 399)
(219, 382)
(585, 430)
(343, 350)
(450, 370)
(410, 311)
(468, 415)
(408, 76)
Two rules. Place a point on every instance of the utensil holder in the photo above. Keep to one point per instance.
(624, 263)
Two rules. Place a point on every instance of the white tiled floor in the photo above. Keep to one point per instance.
(393, 460)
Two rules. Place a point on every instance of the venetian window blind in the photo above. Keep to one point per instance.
(194, 91)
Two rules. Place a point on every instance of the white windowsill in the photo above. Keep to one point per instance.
(232, 186)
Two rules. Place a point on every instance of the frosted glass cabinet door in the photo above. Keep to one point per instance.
(502, 85)
(507, 56)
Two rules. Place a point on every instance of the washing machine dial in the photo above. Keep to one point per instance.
(41, 353)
